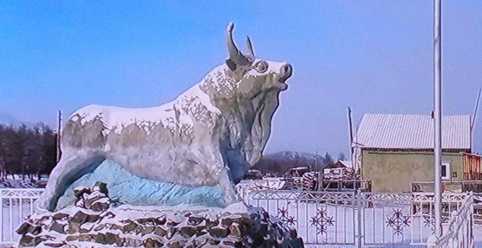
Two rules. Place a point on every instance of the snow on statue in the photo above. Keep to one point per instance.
(209, 135)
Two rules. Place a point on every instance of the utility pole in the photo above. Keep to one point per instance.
(352, 148)
(475, 110)
(474, 117)
(437, 80)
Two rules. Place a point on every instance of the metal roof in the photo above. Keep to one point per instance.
(401, 131)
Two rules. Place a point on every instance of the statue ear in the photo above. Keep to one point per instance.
(232, 66)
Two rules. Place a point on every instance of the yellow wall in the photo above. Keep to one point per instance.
(392, 171)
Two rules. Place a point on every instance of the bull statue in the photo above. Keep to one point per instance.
(209, 135)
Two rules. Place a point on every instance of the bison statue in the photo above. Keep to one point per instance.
(209, 135)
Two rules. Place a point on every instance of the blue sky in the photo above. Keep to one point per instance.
(375, 56)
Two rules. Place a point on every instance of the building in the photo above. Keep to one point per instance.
(396, 150)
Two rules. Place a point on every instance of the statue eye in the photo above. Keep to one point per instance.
(261, 66)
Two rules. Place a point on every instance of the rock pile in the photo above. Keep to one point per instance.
(93, 222)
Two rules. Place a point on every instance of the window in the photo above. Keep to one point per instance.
(445, 174)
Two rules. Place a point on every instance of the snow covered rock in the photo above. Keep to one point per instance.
(152, 226)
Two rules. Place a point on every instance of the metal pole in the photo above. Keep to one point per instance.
(437, 76)
(358, 197)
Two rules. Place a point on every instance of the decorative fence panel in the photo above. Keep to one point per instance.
(356, 218)
(318, 218)
(17, 204)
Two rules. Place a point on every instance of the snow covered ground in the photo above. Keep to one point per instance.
(16, 181)
(477, 235)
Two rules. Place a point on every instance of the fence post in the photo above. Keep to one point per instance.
(358, 198)
(470, 221)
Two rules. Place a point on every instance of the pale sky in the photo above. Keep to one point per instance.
(375, 56)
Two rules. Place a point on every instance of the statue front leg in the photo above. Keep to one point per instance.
(69, 169)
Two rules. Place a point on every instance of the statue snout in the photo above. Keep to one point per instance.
(285, 72)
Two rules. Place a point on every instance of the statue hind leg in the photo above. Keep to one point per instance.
(70, 168)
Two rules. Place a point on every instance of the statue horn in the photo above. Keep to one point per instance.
(250, 47)
(234, 54)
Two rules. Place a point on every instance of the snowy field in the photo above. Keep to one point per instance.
(478, 236)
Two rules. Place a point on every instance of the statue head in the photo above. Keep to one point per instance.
(255, 73)
(246, 90)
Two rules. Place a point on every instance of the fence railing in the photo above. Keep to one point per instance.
(17, 204)
(322, 218)
(357, 218)
(458, 233)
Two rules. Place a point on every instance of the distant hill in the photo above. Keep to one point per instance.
(280, 162)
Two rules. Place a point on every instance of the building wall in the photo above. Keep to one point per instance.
(394, 171)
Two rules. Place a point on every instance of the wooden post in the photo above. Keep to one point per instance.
(59, 130)
(352, 148)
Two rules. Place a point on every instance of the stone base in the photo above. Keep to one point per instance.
(93, 222)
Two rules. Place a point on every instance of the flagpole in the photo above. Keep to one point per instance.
(437, 60)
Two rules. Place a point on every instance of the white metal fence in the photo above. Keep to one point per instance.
(322, 218)
(360, 218)
(17, 204)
